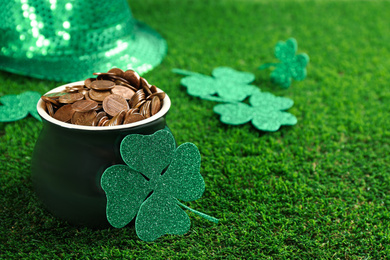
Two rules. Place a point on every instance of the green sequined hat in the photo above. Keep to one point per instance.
(68, 40)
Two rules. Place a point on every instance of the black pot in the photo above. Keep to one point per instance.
(69, 160)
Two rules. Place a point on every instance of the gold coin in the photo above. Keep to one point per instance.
(102, 73)
(84, 105)
(125, 92)
(146, 87)
(153, 88)
(102, 85)
(145, 109)
(55, 95)
(113, 104)
(49, 108)
(116, 71)
(99, 116)
(137, 97)
(88, 82)
(133, 118)
(160, 95)
(73, 89)
(84, 118)
(99, 95)
(132, 77)
(118, 119)
(126, 85)
(155, 106)
(102, 121)
(70, 98)
(64, 113)
(54, 101)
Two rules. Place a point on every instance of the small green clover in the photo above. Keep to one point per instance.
(16, 107)
(230, 85)
(265, 112)
(155, 176)
(291, 67)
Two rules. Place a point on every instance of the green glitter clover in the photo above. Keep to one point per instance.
(265, 113)
(230, 85)
(291, 66)
(16, 107)
(157, 174)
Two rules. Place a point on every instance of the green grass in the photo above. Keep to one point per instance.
(319, 189)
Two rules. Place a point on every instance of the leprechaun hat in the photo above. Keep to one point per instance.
(67, 40)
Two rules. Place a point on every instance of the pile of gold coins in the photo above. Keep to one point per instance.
(116, 97)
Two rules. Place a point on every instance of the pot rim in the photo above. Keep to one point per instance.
(166, 104)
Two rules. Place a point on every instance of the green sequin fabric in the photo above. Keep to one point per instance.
(68, 40)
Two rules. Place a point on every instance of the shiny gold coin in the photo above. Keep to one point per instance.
(155, 106)
(102, 73)
(84, 118)
(132, 77)
(102, 120)
(113, 104)
(84, 105)
(70, 98)
(73, 89)
(145, 86)
(54, 101)
(102, 85)
(160, 95)
(116, 71)
(88, 82)
(55, 94)
(137, 97)
(153, 88)
(49, 108)
(125, 92)
(83, 91)
(133, 118)
(126, 85)
(64, 113)
(118, 119)
(99, 116)
(140, 104)
(145, 109)
(106, 123)
(99, 95)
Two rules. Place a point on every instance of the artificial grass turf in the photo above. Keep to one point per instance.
(319, 189)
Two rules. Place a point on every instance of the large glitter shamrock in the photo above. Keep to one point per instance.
(266, 112)
(16, 107)
(291, 65)
(230, 85)
(149, 186)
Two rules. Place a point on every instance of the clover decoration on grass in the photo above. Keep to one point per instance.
(265, 112)
(291, 66)
(148, 187)
(16, 107)
(226, 84)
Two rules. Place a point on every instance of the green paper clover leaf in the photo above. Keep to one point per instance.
(230, 85)
(16, 107)
(291, 67)
(153, 166)
(265, 112)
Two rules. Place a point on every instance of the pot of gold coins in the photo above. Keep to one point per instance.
(83, 125)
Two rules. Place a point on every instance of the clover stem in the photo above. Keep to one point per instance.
(186, 72)
(209, 218)
(214, 98)
(267, 65)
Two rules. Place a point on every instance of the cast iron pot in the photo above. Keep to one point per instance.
(69, 160)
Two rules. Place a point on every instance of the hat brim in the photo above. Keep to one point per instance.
(142, 51)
